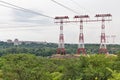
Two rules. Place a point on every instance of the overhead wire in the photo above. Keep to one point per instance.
(8, 6)
(73, 1)
(65, 7)
(23, 9)
(17, 26)
(31, 27)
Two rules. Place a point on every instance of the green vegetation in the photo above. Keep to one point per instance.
(47, 49)
(31, 67)
(31, 62)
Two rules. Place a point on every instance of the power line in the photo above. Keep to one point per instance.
(17, 26)
(30, 27)
(65, 7)
(80, 6)
(22, 9)
(8, 6)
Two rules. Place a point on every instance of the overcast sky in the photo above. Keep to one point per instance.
(32, 27)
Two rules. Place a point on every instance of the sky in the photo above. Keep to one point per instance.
(31, 27)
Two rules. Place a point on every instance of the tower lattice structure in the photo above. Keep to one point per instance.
(61, 47)
(103, 47)
(113, 36)
(81, 46)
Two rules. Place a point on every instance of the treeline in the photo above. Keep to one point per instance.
(47, 49)
(33, 48)
(31, 67)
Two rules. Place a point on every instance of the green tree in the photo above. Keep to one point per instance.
(115, 74)
(23, 67)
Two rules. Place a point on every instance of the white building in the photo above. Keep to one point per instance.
(16, 42)
(9, 41)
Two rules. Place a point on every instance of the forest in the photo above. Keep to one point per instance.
(31, 67)
(32, 62)
(48, 49)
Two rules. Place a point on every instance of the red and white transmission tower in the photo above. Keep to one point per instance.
(104, 17)
(113, 36)
(81, 46)
(61, 48)
(107, 38)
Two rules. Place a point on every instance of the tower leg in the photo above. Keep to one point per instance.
(61, 51)
(103, 50)
(81, 50)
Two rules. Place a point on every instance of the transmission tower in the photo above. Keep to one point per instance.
(81, 46)
(107, 38)
(113, 36)
(61, 48)
(104, 17)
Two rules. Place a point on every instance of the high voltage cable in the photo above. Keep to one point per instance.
(80, 6)
(28, 26)
(22, 9)
(32, 27)
(21, 25)
(65, 7)
(8, 6)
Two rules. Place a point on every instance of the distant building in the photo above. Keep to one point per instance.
(17, 42)
(9, 41)
(30, 42)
